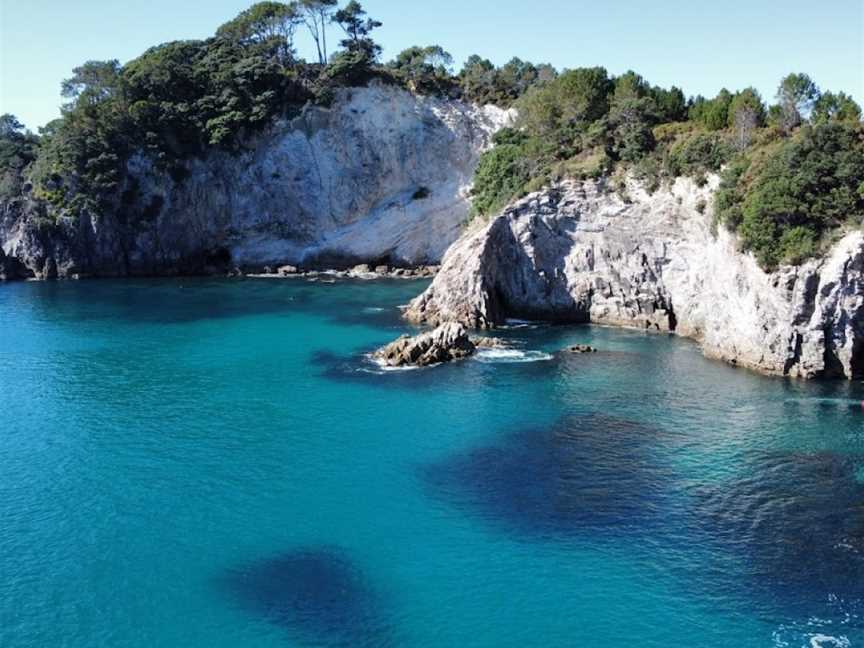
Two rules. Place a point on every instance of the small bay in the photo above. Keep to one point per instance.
(216, 463)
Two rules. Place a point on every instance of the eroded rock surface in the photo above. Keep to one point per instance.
(581, 252)
(381, 177)
(446, 343)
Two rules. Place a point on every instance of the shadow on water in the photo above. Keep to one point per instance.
(583, 475)
(789, 531)
(316, 594)
(785, 537)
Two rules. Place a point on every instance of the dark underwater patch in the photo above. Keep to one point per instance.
(316, 594)
(358, 369)
(789, 531)
(584, 475)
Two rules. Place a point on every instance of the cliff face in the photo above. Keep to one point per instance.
(580, 253)
(382, 175)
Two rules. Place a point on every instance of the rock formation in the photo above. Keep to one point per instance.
(581, 252)
(381, 177)
(447, 342)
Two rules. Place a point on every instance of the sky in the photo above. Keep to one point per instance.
(699, 46)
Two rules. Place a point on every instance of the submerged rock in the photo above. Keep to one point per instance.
(317, 594)
(579, 253)
(447, 342)
(581, 348)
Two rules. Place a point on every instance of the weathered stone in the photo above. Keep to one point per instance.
(485, 342)
(581, 348)
(361, 269)
(288, 270)
(382, 269)
(579, 253)
(334, 183)
(446, 343)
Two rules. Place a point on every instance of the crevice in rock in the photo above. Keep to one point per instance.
(673, 319)
(857, 360)
(795, 358)
(833, 365)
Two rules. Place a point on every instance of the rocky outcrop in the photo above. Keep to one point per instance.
(580, 252)
(446, 343)
(581, 348)
(380, 177)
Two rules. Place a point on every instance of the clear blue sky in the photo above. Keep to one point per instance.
(697, 45)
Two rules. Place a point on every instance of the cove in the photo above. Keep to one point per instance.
(215, 462)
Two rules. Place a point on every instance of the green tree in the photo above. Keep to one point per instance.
(796, 96)
(93, 83)
(425, 68)
(358, 27)
(477, 79)
(501, 173)
(630, 86)
(836, 107)
(631, 119)
(786, 201)
(265, 22)
(584, 94)
(671, 104)
(18, 149)
(716, 115)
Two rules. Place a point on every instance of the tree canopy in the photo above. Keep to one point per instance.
(184, 99)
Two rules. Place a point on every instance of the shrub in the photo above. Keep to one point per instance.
(783, 200)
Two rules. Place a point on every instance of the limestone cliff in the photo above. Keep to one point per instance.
(380, 176)
(580, 252)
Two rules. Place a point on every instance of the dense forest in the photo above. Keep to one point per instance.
(792, 172)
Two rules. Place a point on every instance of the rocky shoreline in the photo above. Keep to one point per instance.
(362, 271)
(380, 176)
(580, 252)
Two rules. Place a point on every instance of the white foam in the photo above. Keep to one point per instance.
(511, 355)
(382, 367)
(827, 641)
(511, 323)
(373, 309)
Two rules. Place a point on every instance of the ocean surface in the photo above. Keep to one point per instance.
(217, 463)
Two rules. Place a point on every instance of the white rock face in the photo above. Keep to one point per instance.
(580, 253)
(382, 175)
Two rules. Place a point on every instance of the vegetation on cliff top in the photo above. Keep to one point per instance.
(794, 172)
(187, 98)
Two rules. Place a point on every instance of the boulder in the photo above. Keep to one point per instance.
(581, 348)
(448, 342)
(483, 342)
(288, 270)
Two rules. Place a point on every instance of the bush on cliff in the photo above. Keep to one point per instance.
(784, 188)
(18, 149)
(784, 200)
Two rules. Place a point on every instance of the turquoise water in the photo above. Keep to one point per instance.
(215, 463)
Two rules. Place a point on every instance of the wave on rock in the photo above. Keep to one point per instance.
(511, 355)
